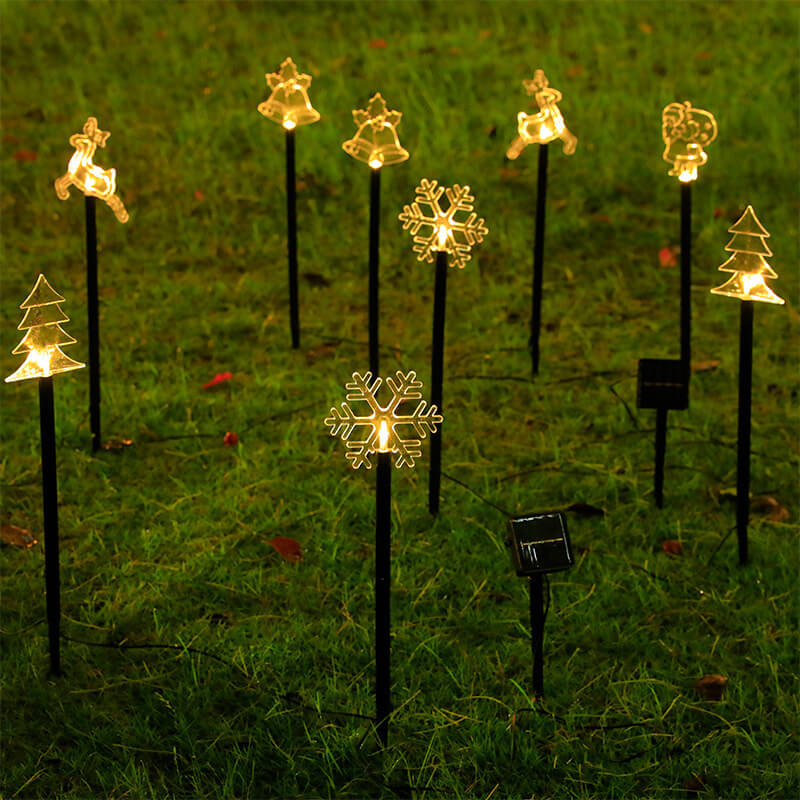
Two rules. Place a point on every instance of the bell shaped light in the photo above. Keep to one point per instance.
(288, 103)
(376, 142)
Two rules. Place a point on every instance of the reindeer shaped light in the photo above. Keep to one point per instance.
(288, 104)
(92, 180)
(545, 126)
(686, 131)
(376, 142)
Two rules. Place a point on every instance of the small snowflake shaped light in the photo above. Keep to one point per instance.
(380, 425)
(434, 229)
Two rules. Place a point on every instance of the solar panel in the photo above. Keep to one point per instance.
(540, 543)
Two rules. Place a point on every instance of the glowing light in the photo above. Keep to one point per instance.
(383, 425)
(288, 103)
(748, 262)
(376, 142)
(383, 436)
(547, 125)
(686, 131)
(441, 230)
(44, 335)
(90, 178)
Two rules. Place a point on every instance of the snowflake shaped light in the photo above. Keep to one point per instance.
(288, 103)
(380, 425)
(434, 229)
(376, 142)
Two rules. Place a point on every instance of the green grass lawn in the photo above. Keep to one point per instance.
(263, 685)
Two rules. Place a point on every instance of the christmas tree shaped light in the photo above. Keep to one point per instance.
(376, 142)
(382, 427)
(545, 126)
(44, 335)
(91, 179)
(288, 103)
(443, 231)
(686, 131)
(748, 262)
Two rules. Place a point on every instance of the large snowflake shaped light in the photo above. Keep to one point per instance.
(380, 425)
(435, 229)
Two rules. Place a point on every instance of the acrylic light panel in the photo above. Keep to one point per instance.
(748, 262)
(383, 428)
(44, 336)
(91, 179)
(540, 543)
(545, 126)
(686, 132)
(376, 142)
(288, 103)
(455, 230)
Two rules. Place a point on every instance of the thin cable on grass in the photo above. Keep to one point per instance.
(480, 497)
(627, 407)
(719, 545)
(23, 630)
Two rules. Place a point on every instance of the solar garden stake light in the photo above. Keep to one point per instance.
(289, 106)
(382, 428)
(94, 182)
(540, 545)
(750, 269)
(444, 233)
(375, 143)
(42, 342)
(542, 128)
(663, 384)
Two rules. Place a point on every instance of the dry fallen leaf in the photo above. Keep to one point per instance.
(117, 443)
(585, 510)
(645, 27)
(672, 547)
(288, 548)
(667, 256)
(25, 155)
(711, 687)
(574, 70)
(315, 279)
(230, 439)
(17, 537)
(378, 44)
(769, 507)
(705, 366)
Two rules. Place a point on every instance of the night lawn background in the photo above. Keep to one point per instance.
(166, 541)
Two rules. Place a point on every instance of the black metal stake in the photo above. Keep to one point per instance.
(383, 504)
(661, 449)
(686, 278)
(538, 258)
(50, 508)
(537, 633)
(437, 371)
(743, 449)
(291, 213)
(374, 230)
(94, 322)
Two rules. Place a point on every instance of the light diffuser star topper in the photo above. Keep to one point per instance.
(381, 424)
(288, 105)
(686, 131)
(44, 337)
(545, 126)
(92, 180)
(455, 236)
(748, 262)
(376, 142)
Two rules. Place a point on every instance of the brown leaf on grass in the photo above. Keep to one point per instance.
(703, 55)
(11, 138)
(575, 70)
(230, 439)
(711, 687)
(485, 34)
(287, 548)
(645, 27)
(316, 353)
(377, 44)
(509, 173)
(17, 537)
(767, 506)
(116, 443)
(667, 256)
(695, 784)
(585, 510)
(705, 366)
(315, 279)
(25, 155)
(672, 547)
